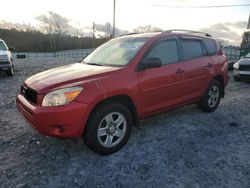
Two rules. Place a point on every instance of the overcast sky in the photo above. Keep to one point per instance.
(133, 13)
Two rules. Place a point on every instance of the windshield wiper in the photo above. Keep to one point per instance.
(97, 64)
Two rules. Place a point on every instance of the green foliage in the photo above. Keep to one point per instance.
(35, 41)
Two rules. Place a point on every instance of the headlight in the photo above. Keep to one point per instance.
(61, 96)
(236, 65)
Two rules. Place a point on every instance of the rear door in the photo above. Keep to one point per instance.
(163, 86)
(197, 66)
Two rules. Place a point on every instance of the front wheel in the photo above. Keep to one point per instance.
(10, 71)
(108, 129)
(211, 98)
(237, 78)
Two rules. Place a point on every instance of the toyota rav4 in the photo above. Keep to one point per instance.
(124, 80)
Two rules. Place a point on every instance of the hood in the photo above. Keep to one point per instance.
(3, 52)
(244, 61)
(67, 75)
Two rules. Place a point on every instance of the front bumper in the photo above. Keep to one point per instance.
(63, 122)
(242, 74)
(5, 65)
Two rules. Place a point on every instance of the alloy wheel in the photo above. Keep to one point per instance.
(213, 96)
(112, 129)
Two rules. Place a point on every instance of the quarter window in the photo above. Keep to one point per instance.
(166, 51)
(210, 46)
(191, 49)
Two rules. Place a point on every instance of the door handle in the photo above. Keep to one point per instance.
(209, 65)
(179, 71)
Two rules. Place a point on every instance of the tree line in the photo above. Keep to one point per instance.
(36, 41)
(55, 33)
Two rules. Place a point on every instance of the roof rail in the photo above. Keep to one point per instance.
(188, 31)
(127, 34)
(133, 33)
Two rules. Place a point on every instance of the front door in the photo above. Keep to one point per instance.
(162, 87)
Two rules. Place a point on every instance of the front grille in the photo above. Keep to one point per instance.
(244, 67)
(29, 94)
(3, 58)
(245, 77)
(4, 62)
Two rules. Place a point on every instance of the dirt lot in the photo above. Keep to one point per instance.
(181, 148)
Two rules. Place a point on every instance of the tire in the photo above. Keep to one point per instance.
(211, 99)
(103, 134)
(237, 78)
(10, 72)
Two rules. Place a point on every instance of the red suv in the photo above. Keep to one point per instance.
(124, 80)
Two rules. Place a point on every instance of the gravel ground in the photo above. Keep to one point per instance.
(182, 148)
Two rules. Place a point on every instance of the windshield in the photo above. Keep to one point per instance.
(116, 52)
(248, 55)
(2, 46)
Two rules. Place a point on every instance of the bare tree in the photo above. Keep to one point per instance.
(105, 29)
(223, 42)
(17, 26)
(54, 23)
(108, 30)
(145, 29)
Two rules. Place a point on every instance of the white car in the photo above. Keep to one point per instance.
(6, 61)
(242, 69)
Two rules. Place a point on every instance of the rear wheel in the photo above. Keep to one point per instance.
(211, 98)
(108, 129)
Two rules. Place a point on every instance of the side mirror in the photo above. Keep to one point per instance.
(151, 63)
(12, 49)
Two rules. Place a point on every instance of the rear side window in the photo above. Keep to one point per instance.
(166, 51)
(191, 49)
(210, 46)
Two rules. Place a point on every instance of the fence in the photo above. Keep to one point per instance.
(77, 54)
(232, 53)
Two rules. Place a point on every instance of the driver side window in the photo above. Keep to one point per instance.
(166, 51)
